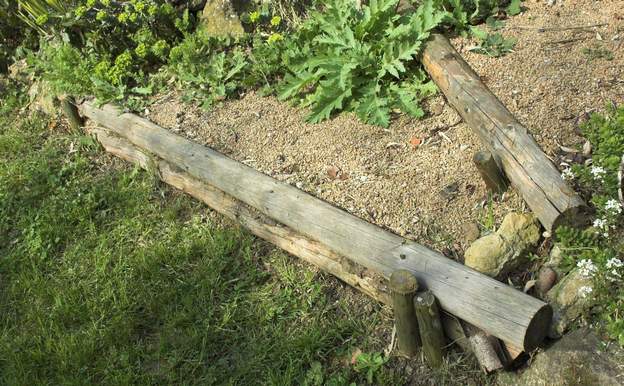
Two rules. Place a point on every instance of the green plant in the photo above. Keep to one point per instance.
(598, 251)
(108, 50)
(361, 61)
(597, 52)
(370, 364)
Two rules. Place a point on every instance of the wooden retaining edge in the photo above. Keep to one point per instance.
(498, 309)
(527, 167)
(281, 236)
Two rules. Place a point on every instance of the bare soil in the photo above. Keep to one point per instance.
(417, 178)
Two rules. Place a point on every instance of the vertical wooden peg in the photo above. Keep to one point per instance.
(493, 177)
(71, 112)
(403, 286)
(431, 329)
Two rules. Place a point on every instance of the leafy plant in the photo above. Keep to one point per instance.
(599, 249)
(370, 364)
(105, 49)
(361, 60)
(597, 52)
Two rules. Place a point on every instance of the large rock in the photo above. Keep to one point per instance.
(568, 302)
(219, 18)
(42, 98)
(577, 359)
(499, 253)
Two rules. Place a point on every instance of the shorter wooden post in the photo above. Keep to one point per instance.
(403, 286)
(431, 330)
(71, 112)
(483, 346)
(490, 172)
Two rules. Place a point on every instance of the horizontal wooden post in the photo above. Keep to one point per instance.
(279, 235)
(527, 167)
(500, 310)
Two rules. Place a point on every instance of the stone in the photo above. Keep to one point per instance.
(579, 358)
(42, 98)
(568, 302)
(546, 279)
(471, 232)
(219, 18)
(500, 253)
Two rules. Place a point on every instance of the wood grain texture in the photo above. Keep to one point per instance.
(502, 311)
(279, 235)
(525, 164)
(403, 286)
(491, 174)
(430, 326)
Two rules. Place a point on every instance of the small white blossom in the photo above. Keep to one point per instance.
(567, 174)
(614, 263)
(585, 290)
(598, 172)
(601, 223)
(613, 206)
(587, 268)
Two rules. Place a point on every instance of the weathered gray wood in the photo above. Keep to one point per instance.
(262, 226)
(484, 348)
(430, 326)
(525, 164)
(403, 286)
(500, 310)
(71, 113)
(493, 177)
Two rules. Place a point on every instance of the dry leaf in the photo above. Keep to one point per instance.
(332, 172)
(356, 353)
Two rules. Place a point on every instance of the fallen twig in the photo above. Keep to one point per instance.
(544, 29)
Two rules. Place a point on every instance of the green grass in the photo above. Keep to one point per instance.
(108, 277)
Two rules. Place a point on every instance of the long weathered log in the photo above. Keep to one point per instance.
(525, 164)
(260, 225)
(500, 310)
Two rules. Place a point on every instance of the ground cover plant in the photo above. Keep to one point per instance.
(340, 58)
(598, 251)
(109, 277)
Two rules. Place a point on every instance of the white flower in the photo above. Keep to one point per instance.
(585, 290)
(614, 263)
(601, 223)
(587, 268)
(598, 172)
(567, 174)
(613, 206)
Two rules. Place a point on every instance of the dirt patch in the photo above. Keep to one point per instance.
(424, 192)
(417, 178)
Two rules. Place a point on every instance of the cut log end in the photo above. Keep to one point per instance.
(538, 328)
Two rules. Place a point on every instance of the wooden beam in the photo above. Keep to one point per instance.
(525, 164)
(498, 309)
(279, 235)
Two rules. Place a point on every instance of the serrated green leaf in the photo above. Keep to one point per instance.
(514, 7)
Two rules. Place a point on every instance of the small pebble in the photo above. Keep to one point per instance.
(546, 279)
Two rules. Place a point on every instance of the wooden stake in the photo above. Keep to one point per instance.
(483, 346)
(71, 112)
(430, 326)
(490, 172)
(403, 287)
(530, 171)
